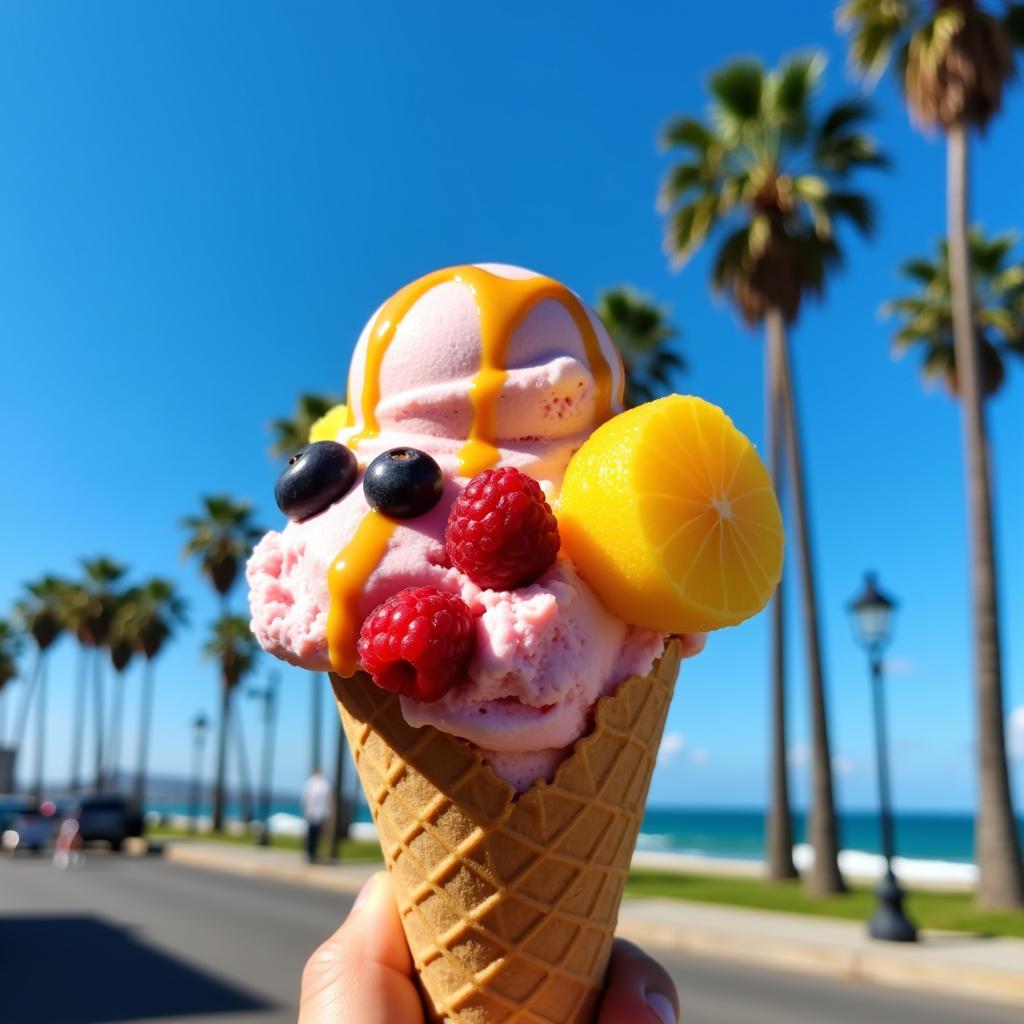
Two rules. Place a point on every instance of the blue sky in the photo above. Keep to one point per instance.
(202, 205)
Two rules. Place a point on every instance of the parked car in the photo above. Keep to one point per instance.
(31, 830)
(13, 806)
(109, 818)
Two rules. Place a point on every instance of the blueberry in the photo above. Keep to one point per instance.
(315, 477)
(403, 483)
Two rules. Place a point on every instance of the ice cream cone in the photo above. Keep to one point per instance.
(509, 903)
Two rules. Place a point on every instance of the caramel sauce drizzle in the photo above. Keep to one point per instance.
(346, 580)
(502, 304)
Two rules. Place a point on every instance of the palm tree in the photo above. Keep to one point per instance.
(234, 648)
(122, 645)
(159, 610)
(954, 59)
(74, 613)
(101, 598)
(291, 435)
(10, 649)
(998, 308)
(770, 176)
(642, 332)
(39, 615)
(221, 539)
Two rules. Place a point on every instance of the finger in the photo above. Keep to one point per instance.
(363, 973)
(638, 990)
(693, 643)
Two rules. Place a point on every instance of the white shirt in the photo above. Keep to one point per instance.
(315, 798)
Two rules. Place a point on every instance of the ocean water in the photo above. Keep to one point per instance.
(926, 836)
(739, 834)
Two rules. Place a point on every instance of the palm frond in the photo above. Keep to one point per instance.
(232, 645)
(843, 151)
(680, 180)
(643, 332)
(844, 116)
(1013, 24)
(919, 270)
(926, 318)
(855, 207)
(877, 28)
(689, 226)
(687, 133)
(292, 434)
(737, 91)
(789, 90)
(221, 539)
(730, 258)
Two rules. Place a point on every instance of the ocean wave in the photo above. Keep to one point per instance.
(870, 866)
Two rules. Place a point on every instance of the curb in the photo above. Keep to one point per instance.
(948, 963)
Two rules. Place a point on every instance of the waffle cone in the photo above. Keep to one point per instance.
(509, 903)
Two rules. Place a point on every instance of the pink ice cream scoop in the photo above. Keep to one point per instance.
(476, 366)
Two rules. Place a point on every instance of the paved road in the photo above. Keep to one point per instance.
(136, 941)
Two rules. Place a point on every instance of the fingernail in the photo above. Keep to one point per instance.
(364, 894)
(661, 1006)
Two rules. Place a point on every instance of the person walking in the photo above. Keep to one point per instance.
(316, 796)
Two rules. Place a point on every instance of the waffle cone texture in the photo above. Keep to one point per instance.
(509, 903)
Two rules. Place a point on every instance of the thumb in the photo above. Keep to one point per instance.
(363, 973)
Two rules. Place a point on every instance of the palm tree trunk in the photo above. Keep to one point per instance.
(97, 687)
(21, 723)
(824, 877)
(78, 721)
(997, 842)
(40, 751)
(339, 814)
(244, 777)
(145, 720)
(222, 741)
(779, 853)
(316, 723)
(114, 733)
(222, 751)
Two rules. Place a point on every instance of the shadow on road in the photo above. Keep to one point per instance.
(84, 970)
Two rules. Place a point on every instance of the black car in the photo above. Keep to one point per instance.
(111, 819)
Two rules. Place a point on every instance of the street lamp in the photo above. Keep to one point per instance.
(199, 726)
(872, 614)
(268, 695)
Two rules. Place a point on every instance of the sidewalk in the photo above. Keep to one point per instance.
(267, 862)
(968, 966)
(954, 963)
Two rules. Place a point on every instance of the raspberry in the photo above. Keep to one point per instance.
(501, 532)
(418, 642)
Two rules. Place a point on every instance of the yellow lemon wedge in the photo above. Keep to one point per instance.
(669, 515)
(326, 428)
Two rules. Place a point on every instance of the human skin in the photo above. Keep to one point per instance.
(363, 974)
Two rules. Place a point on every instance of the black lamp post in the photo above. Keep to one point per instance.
(872, 615)
(269, 697)
(199, 726)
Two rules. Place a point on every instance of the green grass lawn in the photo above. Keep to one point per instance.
(941, 910)
(945, 911)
